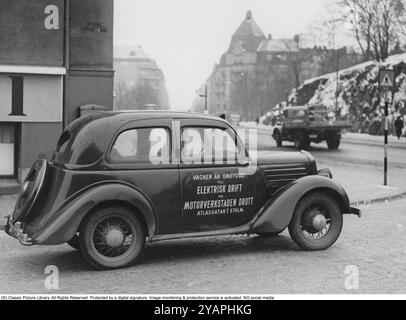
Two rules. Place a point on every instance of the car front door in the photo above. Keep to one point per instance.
(218, 187)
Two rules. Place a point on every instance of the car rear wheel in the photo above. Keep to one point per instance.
(301, 142)
(333, 144)
(317, 222)
(111, 238)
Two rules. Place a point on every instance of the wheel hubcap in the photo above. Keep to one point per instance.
(319, 222)
(316, 222)
(114, 238)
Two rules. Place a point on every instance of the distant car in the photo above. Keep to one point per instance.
(118, 179)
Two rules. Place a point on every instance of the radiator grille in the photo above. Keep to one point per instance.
(279, 177)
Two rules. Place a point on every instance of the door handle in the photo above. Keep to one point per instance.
(244, 163)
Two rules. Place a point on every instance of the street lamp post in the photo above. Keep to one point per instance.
(205, 96)
(337, 84)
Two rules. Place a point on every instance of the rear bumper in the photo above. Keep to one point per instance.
(355, 211)
(16, 230)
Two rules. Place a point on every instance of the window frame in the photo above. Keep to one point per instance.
(241, 149)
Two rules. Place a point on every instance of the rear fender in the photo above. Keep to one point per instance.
(277, 214)
(65, 223)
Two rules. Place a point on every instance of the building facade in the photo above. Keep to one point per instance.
(55, 57)
(139, 83)
(258, 71)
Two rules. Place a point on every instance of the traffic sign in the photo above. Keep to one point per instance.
(386, 78)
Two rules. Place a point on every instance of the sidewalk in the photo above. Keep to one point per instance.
(366, 139)
(364, 184)
(9, 186)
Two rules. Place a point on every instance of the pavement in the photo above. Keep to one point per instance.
(9, 186)
(366, 139)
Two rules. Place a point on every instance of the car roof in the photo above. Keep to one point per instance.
(90, 135)
(132, 115)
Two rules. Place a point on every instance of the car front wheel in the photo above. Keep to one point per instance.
(317, 222)
(111, 238)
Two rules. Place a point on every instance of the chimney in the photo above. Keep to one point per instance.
(249, 15)
(269, 36)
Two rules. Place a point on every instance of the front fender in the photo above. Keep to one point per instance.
(277, 214)
(65, 223)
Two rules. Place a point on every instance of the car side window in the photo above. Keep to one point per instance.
(142, 146)
(208, 146)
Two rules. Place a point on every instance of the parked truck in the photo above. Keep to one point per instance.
(306, 124)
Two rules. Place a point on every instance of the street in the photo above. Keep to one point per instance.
(234, 264)
(375, 244)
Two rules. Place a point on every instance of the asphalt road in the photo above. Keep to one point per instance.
(347, 153)
(375, 245)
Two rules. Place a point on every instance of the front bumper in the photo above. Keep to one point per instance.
(356, 212)
(16, 230)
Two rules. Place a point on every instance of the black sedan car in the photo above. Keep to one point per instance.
(119, 179)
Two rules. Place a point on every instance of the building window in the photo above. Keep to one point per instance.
(7, 150)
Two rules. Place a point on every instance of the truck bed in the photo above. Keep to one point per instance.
(318, 125)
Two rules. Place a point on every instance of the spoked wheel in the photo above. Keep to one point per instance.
(317, 222)
(112, 238)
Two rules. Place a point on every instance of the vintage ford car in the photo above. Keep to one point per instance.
(119, 179)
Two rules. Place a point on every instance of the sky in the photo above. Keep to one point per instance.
(187, 37)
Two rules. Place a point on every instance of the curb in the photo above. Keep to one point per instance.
(379, 200)
(372, 143)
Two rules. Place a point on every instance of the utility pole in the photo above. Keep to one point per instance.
(338, 71)
(205, 96)
(387, 83)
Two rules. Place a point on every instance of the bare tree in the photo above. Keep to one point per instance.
(376, 24)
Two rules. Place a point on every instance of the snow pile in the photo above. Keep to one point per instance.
(357, 88)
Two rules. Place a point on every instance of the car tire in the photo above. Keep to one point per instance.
(308, 219)
(301, 142)
(111, 238)
(74, 242)
(333, 144)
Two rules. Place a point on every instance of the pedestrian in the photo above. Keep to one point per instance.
(399, 125)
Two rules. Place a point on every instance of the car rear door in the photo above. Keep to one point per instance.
(217, 187)
(142, 155)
